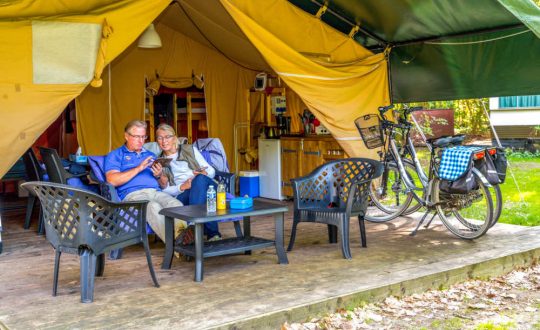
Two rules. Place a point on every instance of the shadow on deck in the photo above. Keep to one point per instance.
(248, 291)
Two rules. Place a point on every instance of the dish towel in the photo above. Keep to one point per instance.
(455, 162)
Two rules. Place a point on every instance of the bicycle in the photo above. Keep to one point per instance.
(404, 180)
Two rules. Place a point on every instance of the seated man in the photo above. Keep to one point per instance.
(128, 169)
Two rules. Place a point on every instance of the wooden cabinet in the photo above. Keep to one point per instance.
(301, 155)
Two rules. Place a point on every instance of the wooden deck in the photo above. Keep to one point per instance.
(243, 291)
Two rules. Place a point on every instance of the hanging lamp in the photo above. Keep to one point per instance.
(150, 38)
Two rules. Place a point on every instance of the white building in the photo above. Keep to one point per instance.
(515, 117)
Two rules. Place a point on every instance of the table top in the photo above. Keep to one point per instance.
(197, 213)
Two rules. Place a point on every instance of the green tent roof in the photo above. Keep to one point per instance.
(446, 49)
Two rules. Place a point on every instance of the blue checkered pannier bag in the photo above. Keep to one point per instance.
(455, 170)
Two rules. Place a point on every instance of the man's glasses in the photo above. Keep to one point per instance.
(166, 137)
(140, 137)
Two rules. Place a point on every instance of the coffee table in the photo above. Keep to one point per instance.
(197, 215)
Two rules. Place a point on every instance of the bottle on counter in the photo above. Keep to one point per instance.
(221, 197)
(211, 200)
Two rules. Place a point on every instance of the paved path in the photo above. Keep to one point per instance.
(248, 291)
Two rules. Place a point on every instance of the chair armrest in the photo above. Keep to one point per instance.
(229, 179)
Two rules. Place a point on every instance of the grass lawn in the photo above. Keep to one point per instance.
(527, 174)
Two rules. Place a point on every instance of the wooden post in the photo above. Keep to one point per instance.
(189, 118)
(151, 119)
(248, 119)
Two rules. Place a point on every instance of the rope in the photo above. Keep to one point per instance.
(500, 146)
(424, 139)
(475, 42)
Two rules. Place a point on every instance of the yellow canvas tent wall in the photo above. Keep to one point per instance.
(209, 37)
(197, 36)
(50, 51)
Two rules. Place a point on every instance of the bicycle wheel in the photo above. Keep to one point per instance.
(388, 195)
(467, 216)
(415, 205)
(497, 203)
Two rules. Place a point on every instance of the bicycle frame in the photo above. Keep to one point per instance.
(425, 180)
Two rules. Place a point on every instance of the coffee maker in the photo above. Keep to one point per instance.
(283, 124)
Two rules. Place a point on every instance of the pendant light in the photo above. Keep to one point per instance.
(150, 38)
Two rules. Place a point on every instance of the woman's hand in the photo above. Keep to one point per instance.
(186, 185)
(201, 170)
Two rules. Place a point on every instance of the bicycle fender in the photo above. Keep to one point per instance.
(482, 177)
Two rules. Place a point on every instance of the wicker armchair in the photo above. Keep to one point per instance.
(331, 194)
(80, 222)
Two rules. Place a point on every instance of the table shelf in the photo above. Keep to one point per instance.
(227, 246)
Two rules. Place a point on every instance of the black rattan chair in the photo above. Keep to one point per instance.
(53, 165)
(34, 172)
(86, 224)
(331, 194)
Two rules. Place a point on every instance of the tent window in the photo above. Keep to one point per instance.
(64, 52)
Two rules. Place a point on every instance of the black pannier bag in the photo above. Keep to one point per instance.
(500, 163)
(486, 166)
(462, 185)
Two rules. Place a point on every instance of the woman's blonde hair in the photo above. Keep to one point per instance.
(168, 129)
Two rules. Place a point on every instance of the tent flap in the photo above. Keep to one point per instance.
(352, 83)
(47, 63)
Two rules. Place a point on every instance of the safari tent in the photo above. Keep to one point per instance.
(339, 58)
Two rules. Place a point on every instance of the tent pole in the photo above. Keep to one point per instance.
(389, 68)
(110, 109)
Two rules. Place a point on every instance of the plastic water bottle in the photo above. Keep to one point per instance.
(211, 199)
(221, 197)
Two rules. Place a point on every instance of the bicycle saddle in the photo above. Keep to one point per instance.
(445, 141)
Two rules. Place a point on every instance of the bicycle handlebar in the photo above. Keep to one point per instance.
(382, 110)
(413, 109)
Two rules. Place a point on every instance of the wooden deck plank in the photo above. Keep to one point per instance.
(239, 289)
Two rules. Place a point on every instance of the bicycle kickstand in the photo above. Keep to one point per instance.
(413, 233)
(429, 222)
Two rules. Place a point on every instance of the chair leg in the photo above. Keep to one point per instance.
(332, 234)
(362, 225)
(293, 235)
(116, 254)
(29, 210)
(149, 260)
(88, 272)
(57, 255)
(344, 236)
(100, 265)
(41, 224)
(238, 229)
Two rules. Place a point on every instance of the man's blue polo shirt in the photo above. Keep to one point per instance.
(122, 159)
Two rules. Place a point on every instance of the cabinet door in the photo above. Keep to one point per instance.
(331, 150)
(289, 164)
(310, 156)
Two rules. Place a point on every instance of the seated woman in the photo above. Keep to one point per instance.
(188, 176)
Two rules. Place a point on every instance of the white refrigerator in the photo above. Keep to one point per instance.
(270, 169)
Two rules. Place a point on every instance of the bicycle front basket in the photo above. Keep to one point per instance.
(370, 130)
